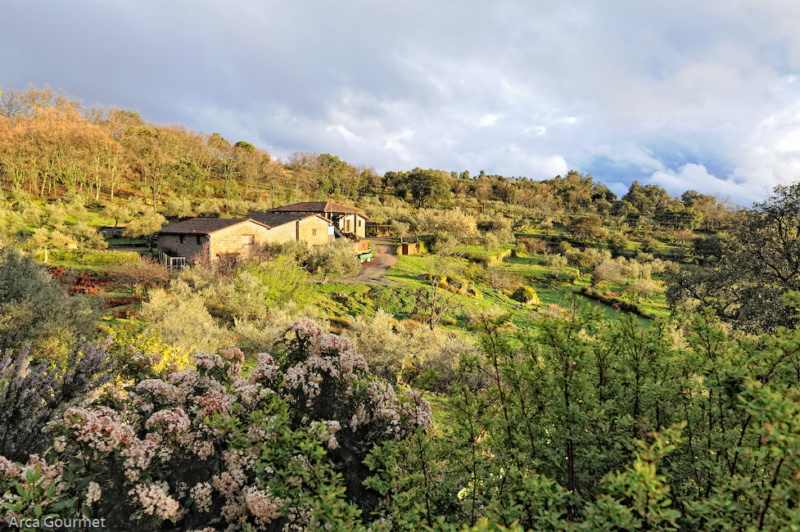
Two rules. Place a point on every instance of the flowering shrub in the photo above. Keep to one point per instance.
(30, 397)
(209, 449)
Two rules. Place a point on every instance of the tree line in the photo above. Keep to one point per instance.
(51, 145)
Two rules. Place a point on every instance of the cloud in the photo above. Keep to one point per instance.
(622, 89)
(696, 177)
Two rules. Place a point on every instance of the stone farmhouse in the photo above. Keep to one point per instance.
(347, 220)
(185, 242)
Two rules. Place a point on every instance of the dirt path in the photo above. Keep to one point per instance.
(374, 272)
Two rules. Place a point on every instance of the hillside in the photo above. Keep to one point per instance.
(545, 356)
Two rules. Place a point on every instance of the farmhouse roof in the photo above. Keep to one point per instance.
(275, 219)
(317, 206)
(202, 226)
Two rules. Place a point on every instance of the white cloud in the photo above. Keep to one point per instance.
(696, 177)
(692, 94)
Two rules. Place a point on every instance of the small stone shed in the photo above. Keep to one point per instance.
(409, 248)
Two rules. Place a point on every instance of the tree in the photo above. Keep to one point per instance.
(427, 186)
(712, 247)
(649, 244)
(337, 257)
(119, 212)
(332, 174)
(45, 240)
(144, 225)
(435, 300)
(617, 243)
(36, 310)
(588, 229)
(758, 264)
(607, 270)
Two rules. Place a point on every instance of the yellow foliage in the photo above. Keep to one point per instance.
(159, 354)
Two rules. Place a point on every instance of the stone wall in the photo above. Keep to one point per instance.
(358, 225)
(244, 239)
(181, 245)
(313, 231)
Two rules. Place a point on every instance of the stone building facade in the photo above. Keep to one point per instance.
(347, 220)
(311, 229)
(185, 242)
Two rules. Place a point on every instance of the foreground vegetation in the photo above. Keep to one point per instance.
(577, 423)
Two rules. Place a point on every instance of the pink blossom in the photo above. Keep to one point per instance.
(155, 499)
(171, 421)
(265, 369)
(262, 505)
(213, 401)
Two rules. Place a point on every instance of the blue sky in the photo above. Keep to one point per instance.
(686, 94)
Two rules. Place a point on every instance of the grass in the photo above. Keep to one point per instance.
(553, 287)
(90, 261)
(92, 219)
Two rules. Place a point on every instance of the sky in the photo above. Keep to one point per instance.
(686, 94)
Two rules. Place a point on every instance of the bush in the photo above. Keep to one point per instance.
(147, 273)
(283, 447)
(335, 258)
(477, 258)
(535, 245)
(32, 396)
(297, 251)
(525, 294)
(181, 319)
(36, 310)
(617, 303)
(555, 261)
(93, 258)
(649, 245)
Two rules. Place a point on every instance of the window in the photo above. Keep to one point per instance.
(314, 232)
(199, 240)
(176, 263)
(182, 238)
(360, 222)
(248, 240)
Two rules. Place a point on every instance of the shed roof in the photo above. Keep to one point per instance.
(317, 206)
